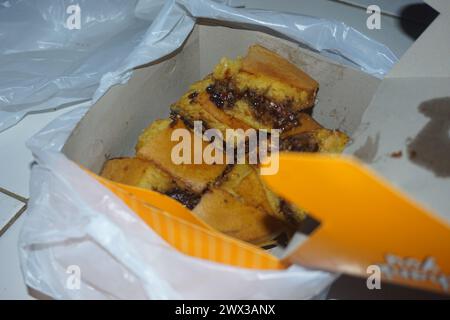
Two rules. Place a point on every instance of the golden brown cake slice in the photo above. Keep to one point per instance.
(155, 145)
(138, 173)
(196, 105)
(236, 218)
(243, 181)
(318, 140)
(144, 174)
(277, 78)
(261, 91)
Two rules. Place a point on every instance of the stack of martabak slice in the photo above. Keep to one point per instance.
(260, 91)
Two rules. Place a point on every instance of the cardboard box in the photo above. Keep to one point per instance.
(382, 117)
(113, 124)
(404, 137)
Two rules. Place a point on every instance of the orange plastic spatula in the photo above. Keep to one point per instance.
(364, 221)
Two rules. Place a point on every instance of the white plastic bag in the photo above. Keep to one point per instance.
(80, 241)
(45, 65)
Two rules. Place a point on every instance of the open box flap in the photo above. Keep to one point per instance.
(357, 228)
(404, 136)
(404, 133)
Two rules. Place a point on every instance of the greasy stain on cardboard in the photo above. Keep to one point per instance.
(431, 147)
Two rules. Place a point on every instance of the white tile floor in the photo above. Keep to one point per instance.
(11, 283)
(10, 208)
(15, 158)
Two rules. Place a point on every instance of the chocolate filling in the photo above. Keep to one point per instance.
(187, 198)
(175, 116)
(193, 97)
(279, 115)
(303, 142)
(224, 94)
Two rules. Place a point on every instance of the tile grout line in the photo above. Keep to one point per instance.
(18, 213)
(13, 219)
(14, 195)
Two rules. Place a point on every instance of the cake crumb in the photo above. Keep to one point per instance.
(396, 154)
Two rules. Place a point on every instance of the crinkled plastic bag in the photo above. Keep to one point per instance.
(79, 240)
(45, 65)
